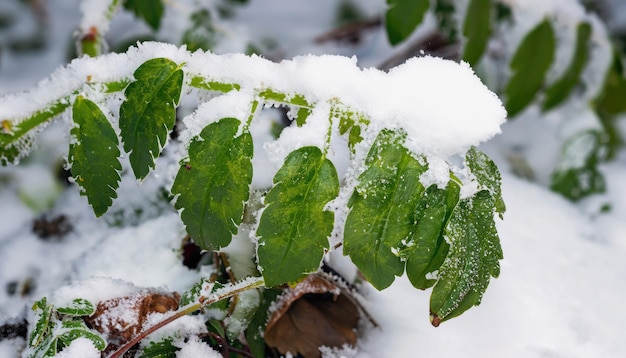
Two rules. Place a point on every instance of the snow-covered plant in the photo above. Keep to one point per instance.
(553, 65)
(382, 164)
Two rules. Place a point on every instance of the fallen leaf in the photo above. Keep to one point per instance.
(315, 313)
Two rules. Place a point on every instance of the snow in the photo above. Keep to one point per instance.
(561, 286)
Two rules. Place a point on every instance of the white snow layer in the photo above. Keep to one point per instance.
(443, 106)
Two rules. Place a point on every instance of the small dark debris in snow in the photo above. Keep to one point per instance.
(23, 289)
(47, 228)
(15, 329)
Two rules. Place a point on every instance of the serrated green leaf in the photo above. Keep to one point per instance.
(472, 260)
(427, 248)
(529, 65)
(382, 209)
(160, 349)
(151, 11)
(487, 175)
(79, 307)
(476, 29)
(402, 17)
(42, 327)
(578, 175)
(149, 112)
(214, 183)
(94, 155)
(294, 227)
(560, 90)
(73, 334)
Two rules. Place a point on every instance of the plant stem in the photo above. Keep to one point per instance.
(204, 300)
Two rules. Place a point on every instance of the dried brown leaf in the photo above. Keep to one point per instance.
(316, 313)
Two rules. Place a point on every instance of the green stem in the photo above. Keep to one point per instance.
(220, 294)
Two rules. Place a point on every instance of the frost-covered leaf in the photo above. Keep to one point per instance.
(149, 10)
(382, 209)
(254, 333)
(72, 330)
(17, 139)
(488, 176)
(214, 183)
(294, 227)
(403, 17)
(561, 89)
(529, 66)
(577, 175)
(42, 327)
(350, 122)
(161, 349)
(476, 29)
(472, 260)
(302, 106)
(94, 155)
(427, 249)
(79, 307)
(149, 112)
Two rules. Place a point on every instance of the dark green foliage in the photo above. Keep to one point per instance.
(94, 155)
(476, 29)
(213, 184)
(151, 11)
(382, 209)
(149, 112)
(160, 349)
(403, 17)
(294, 227)
(427, 247)
(472, 260)
(579, 176)
(530, 63)
(561, 89)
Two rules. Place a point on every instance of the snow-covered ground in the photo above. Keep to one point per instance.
(563, 275)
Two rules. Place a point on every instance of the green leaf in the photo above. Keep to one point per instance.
(294, 227)
(476, 29)
(94, 155)
(149, 112)
(160, 349)
(214, 183)
(73, 334)
(487, 175)
(42, 327)
(445, 11)
(151, 11)
(529, 66)
(578, 176)
(402, 17)
(200, 82)
(382, 209)
(427, 248)
(472, 260)
(561, 89)
(79, 307)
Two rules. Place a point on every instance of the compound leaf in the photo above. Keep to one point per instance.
(559, 91)
(529, 66)
(214, 183)
(382, 209)
(403, 17)
(472, 260)
(476, 29)
(149, 10)
(427, 248)
(149, 112)
(94, 155)
(294, 227)
(79, 307)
